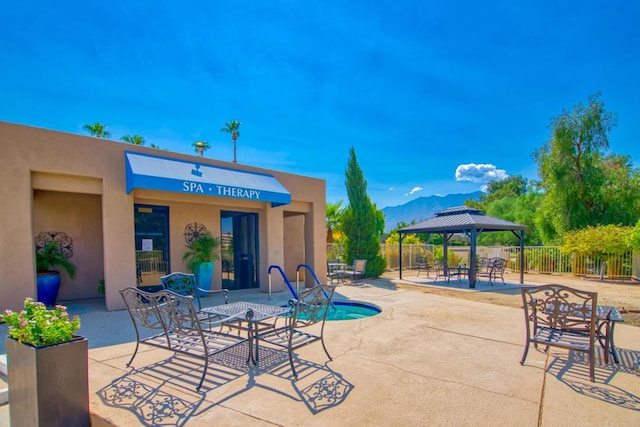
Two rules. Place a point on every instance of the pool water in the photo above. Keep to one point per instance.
(350, 310)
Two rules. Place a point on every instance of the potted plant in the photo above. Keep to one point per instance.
(48, 280)
(200, 256)
(48, 368)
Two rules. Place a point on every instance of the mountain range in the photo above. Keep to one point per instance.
(424, 208)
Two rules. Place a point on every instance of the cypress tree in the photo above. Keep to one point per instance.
(359, 221)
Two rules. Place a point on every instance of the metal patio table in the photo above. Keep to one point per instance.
(256, 314)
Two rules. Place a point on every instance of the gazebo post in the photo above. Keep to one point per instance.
(445, 242)
(472, 259)
(521, 257)
(400, 237)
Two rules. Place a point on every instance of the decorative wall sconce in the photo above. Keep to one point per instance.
(193, 231)
(64, 242)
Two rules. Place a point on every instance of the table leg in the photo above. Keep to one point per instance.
(607, 337)
(612, 347)
(250, 336)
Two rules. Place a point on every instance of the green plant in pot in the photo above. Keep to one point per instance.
(200, 256)
(48, 367)
(48, 280)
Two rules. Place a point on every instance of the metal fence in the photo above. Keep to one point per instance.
(540, 259)
(151, 262)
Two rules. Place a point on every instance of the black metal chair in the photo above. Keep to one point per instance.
(310, 308)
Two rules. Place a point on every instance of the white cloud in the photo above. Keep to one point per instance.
(480, 173)
(390, 188)
(413, 190)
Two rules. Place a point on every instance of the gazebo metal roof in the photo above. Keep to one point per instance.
(461, 219)
(470, 221)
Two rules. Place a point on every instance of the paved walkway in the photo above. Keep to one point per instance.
(426, 359)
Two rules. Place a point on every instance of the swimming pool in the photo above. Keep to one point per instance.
(350, 310)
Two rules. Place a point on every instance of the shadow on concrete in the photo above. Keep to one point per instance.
(163, 393)
(573, 370)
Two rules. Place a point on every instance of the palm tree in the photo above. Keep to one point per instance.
(334, 218)
(133, 139)
(232, 128)
(201, 147)
(98, 130)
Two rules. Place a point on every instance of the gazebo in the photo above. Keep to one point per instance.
(468, 221)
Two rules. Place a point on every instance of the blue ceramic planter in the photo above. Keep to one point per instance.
(204, 274)
(48, 287)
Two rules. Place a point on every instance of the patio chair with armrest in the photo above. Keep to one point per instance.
(438, 266)
(167, 320)
(484, 268)
(309, 309)
(334, 270)
(422, 264)
(497, 269)
(356, 271)
(563, 317)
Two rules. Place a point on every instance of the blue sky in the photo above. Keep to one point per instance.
(436, 96)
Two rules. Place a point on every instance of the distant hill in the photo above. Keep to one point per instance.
(424, 208)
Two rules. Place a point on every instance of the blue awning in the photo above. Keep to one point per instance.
(161, 173)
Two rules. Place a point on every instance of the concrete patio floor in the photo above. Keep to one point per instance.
(426, 359)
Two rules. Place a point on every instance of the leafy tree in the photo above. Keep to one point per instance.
(634, 236)
(512, 186)
(570, 166)
(407, 239)
(601, 240)
(98, 130)
(359, 221)
(133, 139)
(333, 218)
(232, 128)
(200, 147)
(620, 191)
(521, 210)
(606, 242)
(512, 199)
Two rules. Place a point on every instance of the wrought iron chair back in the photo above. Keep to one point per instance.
(185, 284)
(141, 309)
(561, 316)
(312, 306)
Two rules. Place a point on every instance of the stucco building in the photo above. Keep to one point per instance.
(127, 211)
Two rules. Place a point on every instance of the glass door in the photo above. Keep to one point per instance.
(239, 231)
(152, 243)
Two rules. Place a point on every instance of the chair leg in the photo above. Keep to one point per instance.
(295, 374)
(524, 355)
(134, 353)
(325, 349)
(591, 364)
(204, 373)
